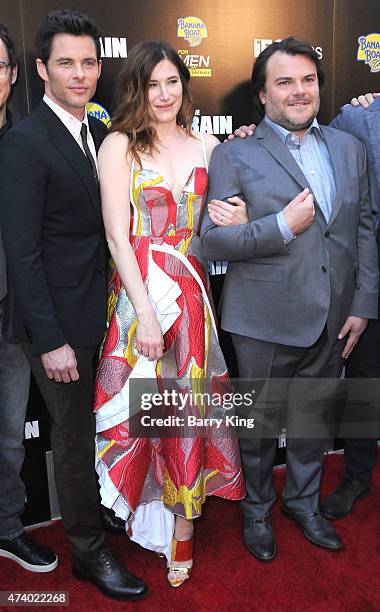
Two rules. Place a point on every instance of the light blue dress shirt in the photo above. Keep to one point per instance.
(312, 156)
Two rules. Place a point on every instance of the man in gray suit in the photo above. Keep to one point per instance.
(14, 383)
(302, 279)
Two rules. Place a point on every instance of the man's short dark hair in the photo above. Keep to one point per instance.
(4, 36)
(64, 21)
(289, 46)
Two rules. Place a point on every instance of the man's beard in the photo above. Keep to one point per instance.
(292, 123)
(296, 127)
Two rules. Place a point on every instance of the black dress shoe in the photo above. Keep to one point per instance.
(111, 522)
(341, 501)
(316, 529)
(110, 577)
(259, 538)
(29, 554)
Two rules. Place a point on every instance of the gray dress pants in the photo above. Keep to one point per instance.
(265, 360)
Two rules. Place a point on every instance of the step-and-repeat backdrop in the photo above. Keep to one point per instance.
(218, 41)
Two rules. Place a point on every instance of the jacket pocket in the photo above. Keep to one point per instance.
(262, 272)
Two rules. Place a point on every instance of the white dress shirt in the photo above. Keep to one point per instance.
(73, 125)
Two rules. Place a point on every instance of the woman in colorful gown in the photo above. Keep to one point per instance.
(161, 327)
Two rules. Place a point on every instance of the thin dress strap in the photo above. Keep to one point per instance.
(204, 150)
(131, 181)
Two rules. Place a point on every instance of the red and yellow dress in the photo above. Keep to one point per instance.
(148, 480)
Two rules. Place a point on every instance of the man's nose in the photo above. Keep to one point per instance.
(299, 87)
(78, 71)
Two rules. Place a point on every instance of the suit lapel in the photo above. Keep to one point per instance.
(62, 140)
(336, 159)
(272, 142)
(277, 149)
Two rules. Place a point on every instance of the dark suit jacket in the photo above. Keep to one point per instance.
(3, 268)
(283, 293)
(53, 233)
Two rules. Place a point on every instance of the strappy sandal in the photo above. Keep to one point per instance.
(181, 561)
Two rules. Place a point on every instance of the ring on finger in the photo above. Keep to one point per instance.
(220, 217)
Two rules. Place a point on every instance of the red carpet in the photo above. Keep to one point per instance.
(226, 577)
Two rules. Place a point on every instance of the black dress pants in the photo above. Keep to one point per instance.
(73, 443)
(361, 453)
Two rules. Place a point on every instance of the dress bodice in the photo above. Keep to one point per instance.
(155, 212)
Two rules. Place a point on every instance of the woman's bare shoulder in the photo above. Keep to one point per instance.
(116, 139)
(211, 141)
(114, 143)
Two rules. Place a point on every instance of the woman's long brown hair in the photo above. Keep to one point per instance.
(132, 115)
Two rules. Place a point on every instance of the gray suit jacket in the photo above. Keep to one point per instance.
(288, 293)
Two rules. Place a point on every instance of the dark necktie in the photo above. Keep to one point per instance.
(83, 135)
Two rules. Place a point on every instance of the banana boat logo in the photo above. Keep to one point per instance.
(99, 112)
(192, 29)
(369, 50)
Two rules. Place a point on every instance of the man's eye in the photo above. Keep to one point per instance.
(90, 63)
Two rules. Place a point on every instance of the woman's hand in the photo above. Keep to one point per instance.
(149, 339)
(225, 214)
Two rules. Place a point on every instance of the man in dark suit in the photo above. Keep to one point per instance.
(14, 384)
(302, 278)
(361, 453)
(54, 242)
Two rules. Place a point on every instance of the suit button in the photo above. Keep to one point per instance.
(324, 269)
(327, 234)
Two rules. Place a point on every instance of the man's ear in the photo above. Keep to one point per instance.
(100, 67)
(14, 75)
(262, 96)
(41, 69)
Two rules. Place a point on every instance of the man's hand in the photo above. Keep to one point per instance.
(224, 214)
(299, 213)
(61, 365)
(354, 326)
(364, 100)
(243, 131)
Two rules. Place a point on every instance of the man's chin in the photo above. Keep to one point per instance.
(297, 126)
(79, 103)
